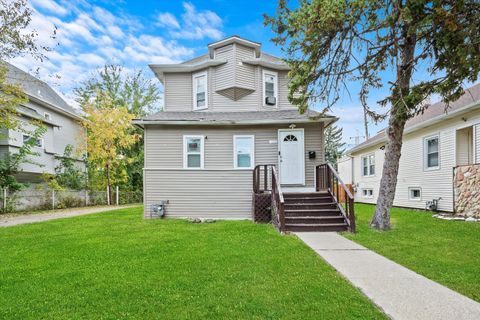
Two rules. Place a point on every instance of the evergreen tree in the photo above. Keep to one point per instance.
(334, 147)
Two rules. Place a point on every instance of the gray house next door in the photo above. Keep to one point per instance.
(291, 156)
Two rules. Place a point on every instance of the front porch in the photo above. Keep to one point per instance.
(303, 208)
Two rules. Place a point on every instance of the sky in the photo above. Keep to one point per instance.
(134, 34)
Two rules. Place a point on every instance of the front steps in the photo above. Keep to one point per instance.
(312, 211)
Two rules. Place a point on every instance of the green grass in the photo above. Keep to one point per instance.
(445, 251)
(116, 265)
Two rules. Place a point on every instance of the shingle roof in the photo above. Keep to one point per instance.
(36, 88)
(437, 110)
(212, 117)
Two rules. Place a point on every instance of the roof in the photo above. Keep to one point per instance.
(37, 90)
(225, 118)
(435, 113)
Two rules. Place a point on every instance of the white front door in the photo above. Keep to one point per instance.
(291, 156)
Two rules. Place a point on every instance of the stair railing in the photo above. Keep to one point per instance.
(328, 179)
(278, 203)
(262, 181)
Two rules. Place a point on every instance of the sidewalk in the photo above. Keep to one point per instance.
(398, 291)
(58, 214)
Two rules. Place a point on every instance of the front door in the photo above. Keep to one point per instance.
(291, 156)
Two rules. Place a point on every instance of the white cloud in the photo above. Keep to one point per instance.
(88, 37)
(195, 24)
(50, 6)
(167, 19)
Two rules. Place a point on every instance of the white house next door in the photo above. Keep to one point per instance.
(291, 156)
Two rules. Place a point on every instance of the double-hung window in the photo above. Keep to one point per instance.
(200, 97)
(243, 152)
(270, 88)
(368, 165)
(432, 153)
(193, 147)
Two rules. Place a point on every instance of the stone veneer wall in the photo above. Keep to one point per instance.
(467, 190)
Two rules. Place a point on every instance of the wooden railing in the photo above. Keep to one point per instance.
(262, 178)
(278, 203)
(328, 179)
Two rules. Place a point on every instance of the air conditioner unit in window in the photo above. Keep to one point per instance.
(271, 101)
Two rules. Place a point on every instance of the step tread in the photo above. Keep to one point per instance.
(310, 204)
(343, 224)
(312, 210)
(314, 217)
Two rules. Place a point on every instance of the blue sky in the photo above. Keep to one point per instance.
(136, 33)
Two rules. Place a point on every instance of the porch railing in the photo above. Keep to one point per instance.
(278, 203)
(328, 179)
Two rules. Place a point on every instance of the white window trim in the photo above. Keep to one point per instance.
(252, 155)
(42, 142)
(185, 152)
(425, 155)
(369, 164)
(194, 91)
(275, 87)
(410, 194)
(367, 196)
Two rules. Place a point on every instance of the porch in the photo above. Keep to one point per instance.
(301, 209)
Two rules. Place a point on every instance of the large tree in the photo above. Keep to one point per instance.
(16, 39)
(430, 47)
(133, 92)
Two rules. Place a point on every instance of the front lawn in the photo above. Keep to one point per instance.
(117, 265)
(445, 251)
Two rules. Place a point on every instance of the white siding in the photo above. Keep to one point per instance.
(344, 168)
(178, 92)
(476, 152)
(434, 183)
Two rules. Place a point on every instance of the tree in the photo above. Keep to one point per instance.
(109, 131)
(15, 40)
(330, 43)
(140, 96)
(67, 174)
(10, 164)
(334, 147)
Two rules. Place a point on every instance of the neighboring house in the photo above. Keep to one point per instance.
(435, 144)
(226, 112)
(61, 120)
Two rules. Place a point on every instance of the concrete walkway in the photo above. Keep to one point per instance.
(58, 214)
(398, 291)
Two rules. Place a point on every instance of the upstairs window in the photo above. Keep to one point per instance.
(193, 152)
(38, 142)
(243, 149)
(47, 116)
(432, 154)
(270, 88)
(200, 98)
(368, 165)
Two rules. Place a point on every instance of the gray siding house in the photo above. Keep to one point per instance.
(60, 119)
(225, 113)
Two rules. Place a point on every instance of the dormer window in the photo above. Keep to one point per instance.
(270, 88)
(200, 98)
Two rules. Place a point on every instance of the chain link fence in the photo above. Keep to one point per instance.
(48, 199)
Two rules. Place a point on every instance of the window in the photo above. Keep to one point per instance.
(200, 99)
(243, 152)
(193, 152)
(367, 193)
(38, 142)
(432, 155)
(270, 88)
(368, 165)
(47, 116)
(415, 193)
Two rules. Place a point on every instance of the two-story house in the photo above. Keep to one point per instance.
(225, 113)
(60, 119)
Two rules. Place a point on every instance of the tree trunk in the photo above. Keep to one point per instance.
(399, 115)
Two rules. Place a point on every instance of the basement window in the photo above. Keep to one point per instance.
(367, 193)
(415, 193)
